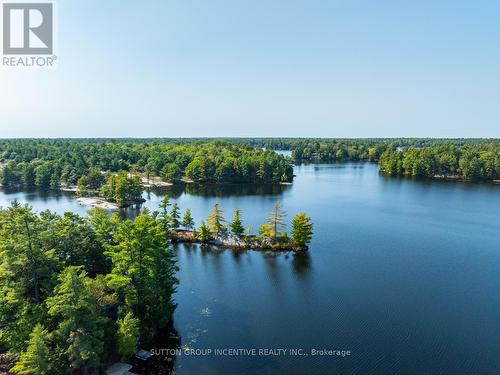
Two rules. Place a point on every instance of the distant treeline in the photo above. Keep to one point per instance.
(50, 163)
(469, 162)
(339, 149)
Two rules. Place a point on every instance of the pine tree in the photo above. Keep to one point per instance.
(164, 217)
(28, 269)
(276, 219)
(143, 272)
(127, 335)
(175, 216)
(36, 358)
(80, 323)
(216, 221)
(236, 225)
(302, 230)
(204, 232)
(187, 220)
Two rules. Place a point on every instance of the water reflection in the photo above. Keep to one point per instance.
(398, 264)
(163, 346)
(229, 190)
(301, 263)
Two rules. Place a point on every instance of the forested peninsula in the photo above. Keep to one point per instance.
(468, 159)
(52, 163)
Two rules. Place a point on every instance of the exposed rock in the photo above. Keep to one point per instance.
(97, 202)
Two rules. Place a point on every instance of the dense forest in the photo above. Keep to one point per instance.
(51, 163)
(90, 163)
(468, 162)
(79, 292)
(468, 159)
(366, 149)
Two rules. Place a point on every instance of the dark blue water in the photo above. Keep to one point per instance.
(403, 274)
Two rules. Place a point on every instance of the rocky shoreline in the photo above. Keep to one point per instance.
(104, 204)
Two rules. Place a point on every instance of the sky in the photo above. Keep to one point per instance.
(248, 68)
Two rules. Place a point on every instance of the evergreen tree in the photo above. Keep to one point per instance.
(144, 272)
(122, 189)
(36, 359)
(204, 232)
(80, 325)
(236, 225)
(302, 230)
(276, 219)
(175, 216)
(216, 221)
(27, 274)
(127, 335)
(187, 220)
(164, 217)
(76, 242)
(103, 225)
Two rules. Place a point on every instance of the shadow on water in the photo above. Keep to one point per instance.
(35, 195)
(301, 264)
(226, 190)
(164, 348)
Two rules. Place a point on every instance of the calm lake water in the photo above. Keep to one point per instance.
(403, 274)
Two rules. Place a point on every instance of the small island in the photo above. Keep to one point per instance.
(215, 230)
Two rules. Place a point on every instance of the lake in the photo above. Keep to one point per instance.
(403, 274)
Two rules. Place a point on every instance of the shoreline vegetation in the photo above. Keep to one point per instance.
(45, 163)
(81, 293)
(105, 283)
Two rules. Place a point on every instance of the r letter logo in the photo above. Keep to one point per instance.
(27, 29)
(28, 34)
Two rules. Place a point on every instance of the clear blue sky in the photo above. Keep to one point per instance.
(264, 68)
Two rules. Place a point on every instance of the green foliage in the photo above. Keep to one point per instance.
(36, 358)
(216, 221)
(163, 216)
(76, 242)
(302, 230)
(53, 272)
(143, 272)
(103, 225)
(123, 189)
(175, 216)
(127, 335)
(49, 163)
(93, 180)
(479, 162)
(80, 325)
(171, 172)
(187, 220)
(204, 232)
(267, 231)
(236, 225)
(28, 266)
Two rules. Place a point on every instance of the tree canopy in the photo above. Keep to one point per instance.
(77, 291)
